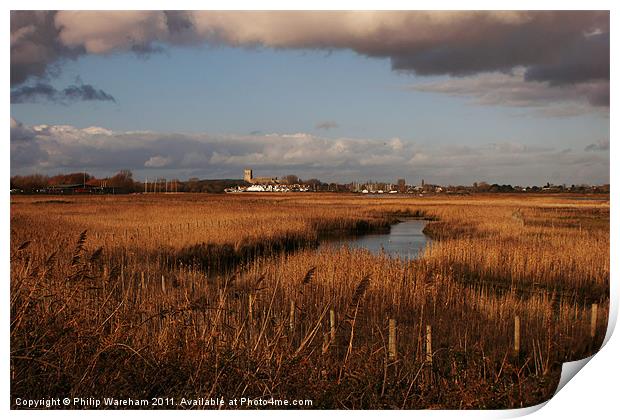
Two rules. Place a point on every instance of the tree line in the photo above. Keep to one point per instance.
(122, 181)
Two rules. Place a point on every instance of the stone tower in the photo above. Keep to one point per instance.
(247, 175)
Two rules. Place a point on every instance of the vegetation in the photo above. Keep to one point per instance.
(211, 296)
(122, 182)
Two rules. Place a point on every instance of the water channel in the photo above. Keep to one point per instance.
(405, 240)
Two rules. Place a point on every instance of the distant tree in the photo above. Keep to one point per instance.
(125, 173)
(313, 183)
(483, 187)
(29, 183)
(291, 179)
(123, 181)
(192, 185)
(70, 179)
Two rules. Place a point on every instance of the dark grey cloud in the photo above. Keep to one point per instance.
(512, 90)
(600, 146)
(34, 93)
(46, 92)
(179, 22)
(85, 92)
(555, 47)
(583, 60)
(37, 53)
(327, 125)
(19, 132)
(36, 48)
(25, 149)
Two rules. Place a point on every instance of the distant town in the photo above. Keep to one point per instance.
(124, 183)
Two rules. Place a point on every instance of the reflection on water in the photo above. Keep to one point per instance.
(405, 240)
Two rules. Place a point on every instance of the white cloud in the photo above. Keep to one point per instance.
(157, 162)
(53, 149)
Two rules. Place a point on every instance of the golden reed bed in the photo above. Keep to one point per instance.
(209, 296)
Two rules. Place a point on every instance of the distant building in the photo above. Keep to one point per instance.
(248, 176)
(356, 187)
(402, 185)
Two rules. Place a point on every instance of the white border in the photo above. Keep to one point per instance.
(591, 395)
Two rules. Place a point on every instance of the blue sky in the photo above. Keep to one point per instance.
(247, 94)
(240, 90)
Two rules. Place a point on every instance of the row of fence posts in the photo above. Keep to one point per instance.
(393, 351)
(392, 347)
(593, 325)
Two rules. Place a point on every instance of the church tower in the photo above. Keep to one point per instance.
(247, 175)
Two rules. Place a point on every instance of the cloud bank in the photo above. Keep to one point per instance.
(559, 48)
(45, 91)
(52, 149)
(512, 90)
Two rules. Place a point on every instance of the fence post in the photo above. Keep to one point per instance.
(123, 279)
(332, 325)
(291, 322)
(326, 343)
(163, 284)
(392, 352)
(250, 313)
(429, 345)
(593, 320)
(517, 340)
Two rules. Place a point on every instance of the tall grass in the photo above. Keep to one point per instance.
(148, 296)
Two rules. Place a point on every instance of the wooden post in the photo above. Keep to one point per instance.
(163, 284)
(392, 354)
(250, 314)
(593, 319)
(517, 341)
(332, 325)
(122, 279)
(429, 345)
(142, 279)
(291, 321)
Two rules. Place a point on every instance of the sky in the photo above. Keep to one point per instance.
(517, 98)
